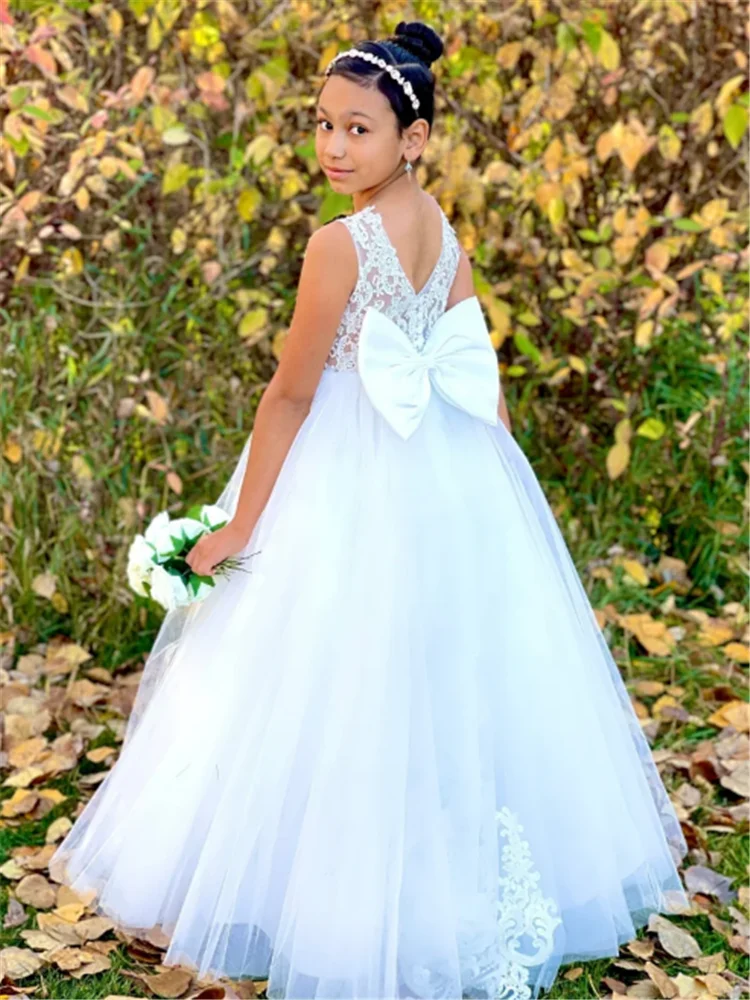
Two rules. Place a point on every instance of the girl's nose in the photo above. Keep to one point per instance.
(337, 144)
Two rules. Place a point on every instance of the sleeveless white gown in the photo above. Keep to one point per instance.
(397, 759)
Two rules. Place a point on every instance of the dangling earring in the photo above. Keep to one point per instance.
(408, 167)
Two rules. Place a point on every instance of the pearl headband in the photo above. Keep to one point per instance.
(370, 57)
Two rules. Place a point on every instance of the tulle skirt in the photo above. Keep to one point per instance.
(396, 759)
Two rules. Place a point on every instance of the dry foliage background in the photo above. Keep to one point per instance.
(158, 185)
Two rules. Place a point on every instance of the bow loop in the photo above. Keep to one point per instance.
(458, 360)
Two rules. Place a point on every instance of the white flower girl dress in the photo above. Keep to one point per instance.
(397, 758)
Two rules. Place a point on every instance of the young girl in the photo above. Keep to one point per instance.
(397, 759)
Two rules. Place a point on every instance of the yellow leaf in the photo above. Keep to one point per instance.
(737, 651)
(13, 451)
(618, 458)
(652, 635)
(175, 178)
(652, 428)
(657, 258)
(277, 240)
(500, 319)
(714, 212)
(154, 35)
(605, 145)
(624, 248)
(248, 203)
(59, 603)
(114, 23)
(253, 322)
(46, 442)
(553, 156)
(726, 94)
(507, 55)
(81, 468)
(690, 269)
(636, 571)
(556, 211)
(662, 705)
(178, 240)
(22, 269)
(175, 135)
(71, 262)
(714, 634)
(670, 145)
(732, 713)
(609, 51)
(277, 343)
(635, 143)
(623, 431)
(259, 149)
(643, 333)
(20, 802)
(327, 53)
(109, 166)
(651, 300)
(528, 318)
(702, 120)
(712, 279)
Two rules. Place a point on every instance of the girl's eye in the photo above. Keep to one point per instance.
(322, 121)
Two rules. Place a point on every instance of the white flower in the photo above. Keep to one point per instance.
(213, 515)
(140, 564)
(166, 535)
(156, 526)
(168, 589)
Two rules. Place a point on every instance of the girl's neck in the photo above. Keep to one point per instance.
(401, 187)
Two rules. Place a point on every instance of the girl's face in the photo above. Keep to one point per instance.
(357, 135)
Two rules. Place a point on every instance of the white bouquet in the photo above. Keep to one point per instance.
(157, 566)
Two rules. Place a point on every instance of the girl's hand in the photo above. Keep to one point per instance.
(215, 546)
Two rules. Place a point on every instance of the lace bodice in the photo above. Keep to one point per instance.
(382, 283)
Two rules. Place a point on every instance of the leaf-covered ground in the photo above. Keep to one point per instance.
(687, 674)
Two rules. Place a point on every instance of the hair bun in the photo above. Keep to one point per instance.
(420, 40)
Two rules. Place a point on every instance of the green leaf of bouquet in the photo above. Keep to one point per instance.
(195, 512)
(177, 544)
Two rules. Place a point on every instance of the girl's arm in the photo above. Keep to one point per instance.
(463, 288)
(327, 278)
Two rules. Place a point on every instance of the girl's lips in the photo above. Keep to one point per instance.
(337, 173)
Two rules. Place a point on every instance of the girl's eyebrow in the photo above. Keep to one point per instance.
(363, 113)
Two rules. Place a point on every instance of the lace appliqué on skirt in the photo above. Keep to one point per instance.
(493, 961)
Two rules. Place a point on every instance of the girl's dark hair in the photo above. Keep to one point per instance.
(411, 49)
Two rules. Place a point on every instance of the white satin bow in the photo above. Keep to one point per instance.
(458, 359)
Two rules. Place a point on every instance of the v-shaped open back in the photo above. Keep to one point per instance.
(382, 283)
(389, 241)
